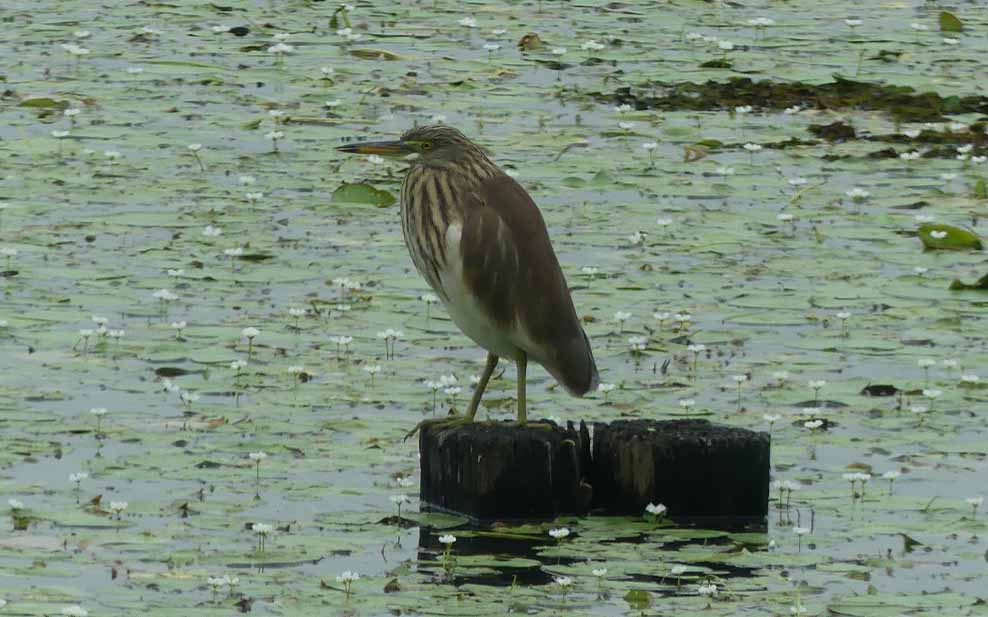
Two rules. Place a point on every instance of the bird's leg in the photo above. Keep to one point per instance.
(454, 419)
(482, 385)
(522, 364)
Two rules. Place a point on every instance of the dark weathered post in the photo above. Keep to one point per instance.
(498, 470)
(693, 467)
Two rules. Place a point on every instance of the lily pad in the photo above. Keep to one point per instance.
(938, 236)
(363, 193)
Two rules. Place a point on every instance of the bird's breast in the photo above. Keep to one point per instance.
(429, 207)
(467, 310)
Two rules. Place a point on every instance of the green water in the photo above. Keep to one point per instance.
(97, 235)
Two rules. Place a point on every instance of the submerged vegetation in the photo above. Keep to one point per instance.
(212, 340)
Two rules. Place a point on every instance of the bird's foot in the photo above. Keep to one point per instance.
(441, 423)
(541, 425)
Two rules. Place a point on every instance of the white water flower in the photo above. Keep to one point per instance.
(656, 509)
(563, 581)
(559, 533)
(117, 507)
(281, 48)
(857, 193)
(346, 577)
(447, 539)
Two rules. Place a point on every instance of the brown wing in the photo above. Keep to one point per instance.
(510, 267)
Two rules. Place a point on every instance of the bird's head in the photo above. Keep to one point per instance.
(435, 143)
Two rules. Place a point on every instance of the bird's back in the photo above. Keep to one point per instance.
(510, 266)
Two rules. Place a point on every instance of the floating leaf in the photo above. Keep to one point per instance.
(638, 599)
(938, 236)
(949, 22)
(374, 54)
(530, 42)
(44, 102)
(363, 193)
(600, 179)
(958, 285)
(981, 189)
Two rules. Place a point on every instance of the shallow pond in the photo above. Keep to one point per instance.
(104, 208)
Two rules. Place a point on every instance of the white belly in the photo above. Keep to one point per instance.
(465, 311)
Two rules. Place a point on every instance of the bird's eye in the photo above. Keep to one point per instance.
(427, 145)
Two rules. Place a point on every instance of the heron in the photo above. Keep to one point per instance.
(480, 242)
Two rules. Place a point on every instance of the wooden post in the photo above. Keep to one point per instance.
(693, 467)
(498, 470)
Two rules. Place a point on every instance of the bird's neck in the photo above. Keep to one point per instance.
(467, 170)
